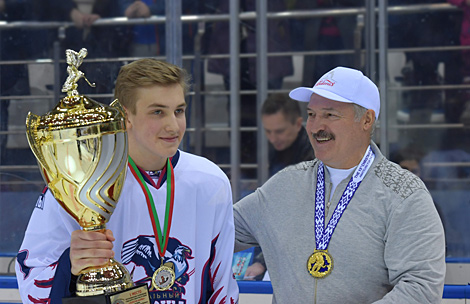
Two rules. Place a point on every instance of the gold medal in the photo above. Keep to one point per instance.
(163, 278)
(320, 264)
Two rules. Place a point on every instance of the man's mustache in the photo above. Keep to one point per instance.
(323, 134)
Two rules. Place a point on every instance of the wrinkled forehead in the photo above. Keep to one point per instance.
(320, 103)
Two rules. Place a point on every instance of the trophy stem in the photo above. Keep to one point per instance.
(109, 278)
(100, 228)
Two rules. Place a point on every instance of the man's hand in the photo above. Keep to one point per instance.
(82, 20)
(254, 270)
(90, 248)
(138, 9)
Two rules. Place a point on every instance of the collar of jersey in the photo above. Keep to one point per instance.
(161, 180)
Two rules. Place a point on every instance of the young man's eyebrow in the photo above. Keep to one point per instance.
(157, 105)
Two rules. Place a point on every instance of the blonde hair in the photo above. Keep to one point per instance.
(147, 72)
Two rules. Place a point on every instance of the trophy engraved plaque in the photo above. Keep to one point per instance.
(81, 148)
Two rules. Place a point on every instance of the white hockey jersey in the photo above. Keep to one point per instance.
(200, 245)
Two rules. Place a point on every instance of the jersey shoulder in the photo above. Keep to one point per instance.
(199, 166)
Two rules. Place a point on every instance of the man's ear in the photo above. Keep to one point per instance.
(368, 120)
(298, 123)
(127, 112)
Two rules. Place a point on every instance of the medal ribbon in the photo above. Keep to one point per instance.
(323, 235)
(162, 238)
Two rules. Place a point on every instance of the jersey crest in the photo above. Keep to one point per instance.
(143, 253)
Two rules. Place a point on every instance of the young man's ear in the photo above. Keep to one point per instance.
(126, 112)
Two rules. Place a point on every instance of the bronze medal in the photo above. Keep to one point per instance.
(163, 278)
(320, 264)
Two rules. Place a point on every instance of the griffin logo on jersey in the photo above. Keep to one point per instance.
(142, 252)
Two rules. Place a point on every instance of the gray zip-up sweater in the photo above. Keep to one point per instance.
(388, 246)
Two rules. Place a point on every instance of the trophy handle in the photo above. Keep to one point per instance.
(33, 140)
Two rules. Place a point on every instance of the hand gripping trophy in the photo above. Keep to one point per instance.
(81, 148)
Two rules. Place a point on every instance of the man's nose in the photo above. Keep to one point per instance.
(314, 125)
(273, 138)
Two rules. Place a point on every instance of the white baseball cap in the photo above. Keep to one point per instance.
(345, 85)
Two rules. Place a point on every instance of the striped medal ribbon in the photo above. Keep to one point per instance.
(320, 263)
(164, 277)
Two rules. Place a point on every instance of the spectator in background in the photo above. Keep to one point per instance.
(257, 270)
(443, 173)
(446, 173)
(57, 10)
(146, 39)
(323, 34)
(443, 168)
(426, 29)
(13, 78)
(289, 145)
(465, 70)
(149, 40)
(101, 42)
(24, 44)
(278, 66)
(409, 158)
(282, 123)
(278, 41)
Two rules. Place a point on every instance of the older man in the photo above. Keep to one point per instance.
(349, 226)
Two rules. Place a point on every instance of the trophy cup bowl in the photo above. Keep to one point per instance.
(81, 148)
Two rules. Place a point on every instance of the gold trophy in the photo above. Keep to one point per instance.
(81, 148)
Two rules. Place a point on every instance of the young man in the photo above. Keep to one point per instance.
(197, 234)
(349, 226)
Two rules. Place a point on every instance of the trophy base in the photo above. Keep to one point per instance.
(135, 295)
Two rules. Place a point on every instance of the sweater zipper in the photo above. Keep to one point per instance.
(327, 208)
(328, 204)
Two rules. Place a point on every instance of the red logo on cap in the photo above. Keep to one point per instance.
(327, 80)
